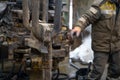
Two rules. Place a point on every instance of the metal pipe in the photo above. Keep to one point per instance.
(26, 14)
(45, 10)
(35, 18)
(26, 51)
(73, 65)
(57, 16)
(47, 73)
(70, 14)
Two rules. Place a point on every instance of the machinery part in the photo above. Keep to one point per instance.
(22, 53)
(35, 19)
(43, 32)
(71, 15)
(45, 10)
(3, 7)
(27, 61)
(57, 17)
(36, 62)
(3, 52)
(25, 51)
(26, 14)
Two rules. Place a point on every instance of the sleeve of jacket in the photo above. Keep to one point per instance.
(90, 16)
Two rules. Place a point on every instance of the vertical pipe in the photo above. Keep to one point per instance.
(47, 72)
(35, 17)
(71, 14)
(50, 61)
(45, 10)
(26, 15)
(57, 17)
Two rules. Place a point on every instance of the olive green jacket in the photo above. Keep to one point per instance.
(105, 35)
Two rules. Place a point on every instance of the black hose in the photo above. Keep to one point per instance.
(60, 76)
(55, 75)
(22, 74)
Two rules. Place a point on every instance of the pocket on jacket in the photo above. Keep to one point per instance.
(106, 16)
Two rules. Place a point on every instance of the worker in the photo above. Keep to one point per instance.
(104, 16)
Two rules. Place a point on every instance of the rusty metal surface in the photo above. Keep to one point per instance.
(22, 41)
(59, 53)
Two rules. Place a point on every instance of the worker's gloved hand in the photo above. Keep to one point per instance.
(75, 31)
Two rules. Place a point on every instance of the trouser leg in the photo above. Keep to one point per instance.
(114, 66)
(99, 62)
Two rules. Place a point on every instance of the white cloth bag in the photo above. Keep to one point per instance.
(84, 52)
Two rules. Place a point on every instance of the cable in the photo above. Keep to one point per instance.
(60, 76)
